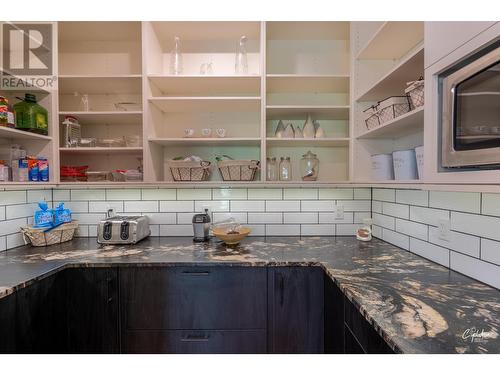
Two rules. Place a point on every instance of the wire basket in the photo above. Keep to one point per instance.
(371, 117)
(415, 91)
(39, 236)
(393, 107)
(189, 170)
(238, 170)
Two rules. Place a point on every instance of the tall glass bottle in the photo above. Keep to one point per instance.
(241, 62)
(271, 169)
(285, 169)
(176, 57)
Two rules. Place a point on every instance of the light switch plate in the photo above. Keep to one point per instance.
(444, 229)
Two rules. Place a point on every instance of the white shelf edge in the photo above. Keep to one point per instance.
(94, 113)
(392, 123)
(22, 134)
(98, 149)
(202, 98)
(180, 76)
(91, 76)
(291, 75)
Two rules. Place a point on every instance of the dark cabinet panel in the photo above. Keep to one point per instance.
(40, 316)
(8, 324)
(334, 317)
(92, 310)
(365, 334)
(296, 311)
(193, 298)
(352, 345)
(195, 342)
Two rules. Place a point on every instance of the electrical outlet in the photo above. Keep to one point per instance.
(339, 212)
(444, 229)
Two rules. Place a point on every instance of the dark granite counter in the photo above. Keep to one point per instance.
(416, 305)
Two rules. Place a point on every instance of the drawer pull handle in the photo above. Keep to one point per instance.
(196, 338)
(196, 273)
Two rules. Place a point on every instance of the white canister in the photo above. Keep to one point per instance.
(382, 169)
(405, 165)
(419, 154)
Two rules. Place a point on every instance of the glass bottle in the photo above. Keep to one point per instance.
(309, 167)
(271, 169)
(285, 169)
(176, 57)
(31, 116)
(241, 63)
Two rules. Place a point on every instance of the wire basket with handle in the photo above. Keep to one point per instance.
(415, 91)
(47, 237)
(185, 170)
(238, 170)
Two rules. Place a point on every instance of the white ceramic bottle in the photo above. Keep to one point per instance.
(308, 130)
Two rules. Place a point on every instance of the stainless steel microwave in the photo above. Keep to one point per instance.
(470, 111)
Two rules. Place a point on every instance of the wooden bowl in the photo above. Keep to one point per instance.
(231, 238)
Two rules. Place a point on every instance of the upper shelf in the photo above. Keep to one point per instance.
(307, 142)
(307, 30)
(10, 133)
(122, 84)
(206, 142)
(297, 83)
(207, 85)
(394, 82)
(83, 31)
(320, 112)
(403, 125)
(207, 104)
(106, 118)
(393, 40)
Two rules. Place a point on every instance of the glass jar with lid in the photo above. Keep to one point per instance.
(285, 169)
(271, 169)
(309, 167)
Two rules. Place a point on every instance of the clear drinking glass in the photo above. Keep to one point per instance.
(271, 169)
(285, 169)
(241, 63)
(176, 57)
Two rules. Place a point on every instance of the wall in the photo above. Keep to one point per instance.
(409, 219)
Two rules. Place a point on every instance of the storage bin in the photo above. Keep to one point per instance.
(189, 170)
(415, 91)
(382, 167)
(238, 170)
(405, 165)
(419, 155)
(371, 117)
(392, 107)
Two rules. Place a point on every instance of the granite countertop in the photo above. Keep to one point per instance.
(416, 305)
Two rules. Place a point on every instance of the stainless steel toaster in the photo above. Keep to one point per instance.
(123, 229)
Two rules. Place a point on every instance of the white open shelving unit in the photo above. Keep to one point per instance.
(330, 70)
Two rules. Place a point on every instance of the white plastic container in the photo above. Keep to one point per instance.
(382, 167)
(405, 165)
(419, 155)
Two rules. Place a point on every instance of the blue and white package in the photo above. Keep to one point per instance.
(44, 218)
(61, 215)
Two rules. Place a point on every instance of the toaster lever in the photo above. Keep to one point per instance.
(106, 232)
(124, 230)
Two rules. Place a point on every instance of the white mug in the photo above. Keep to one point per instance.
(221, 132)
(188, 132)
(206, 132)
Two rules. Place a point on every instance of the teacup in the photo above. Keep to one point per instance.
(221, 132)
(206, 132)
(188, 132)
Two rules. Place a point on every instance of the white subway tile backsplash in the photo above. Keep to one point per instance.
(282, 230)
(92, 230)
(462, 243)
(430, 216)
(253, 206)
(141, 206)
(88, 219)
(387, 195)
(427, 250)
(123, 194)
(185, 217)
(3, 243)
(15, 240)
(61, 195)
(346, 229)
(475, 268)
(229, 194)
(395, 209)
(82, 231)
(412, 229)
(457, 201)
(194, 194)
(300, 217)
(2, 213)
(395, 238)
(300, 193)
(413, 197)
(334, 193)
(283, 206)
(490, 204)
(483, 226)
(362, 193)
(384, 221)
(103, 206)
(359, 205)
(240, 217)
(317, 206)
(176, 230)
(377, 231)
(377, 207)
(257, 230)
(360, 216)
(20, 210)
(265, 217)
(159, 194)
(35, 196)
(176, 206)
(265, 193)
(213, 206)
(12, 197)
(317, 230)
(490, 251)
(330, 218)
(12, 226)
(74, 206)
(162, 218)
(155, 230)
(88, 195)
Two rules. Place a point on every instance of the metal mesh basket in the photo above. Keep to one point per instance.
(238, 170)
(395, 107)
(371, 117)
(60, 234)
(416, 93)
(189, 170)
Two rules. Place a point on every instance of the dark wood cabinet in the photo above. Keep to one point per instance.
(92, 310)
(334, 318)
(296, 311)
(7, 324)
(352, 346)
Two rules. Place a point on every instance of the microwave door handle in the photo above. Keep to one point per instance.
(453, 130)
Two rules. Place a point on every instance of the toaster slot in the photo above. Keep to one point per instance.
(124, 230)
(107, 230)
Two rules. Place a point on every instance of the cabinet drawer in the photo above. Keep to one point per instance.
(193, 298)
(195, 342)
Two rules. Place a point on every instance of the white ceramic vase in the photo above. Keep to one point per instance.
(279, 130)
(289, 132)
(308, 130)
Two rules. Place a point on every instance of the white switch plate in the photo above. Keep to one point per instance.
(444, 229)
(339, 212)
